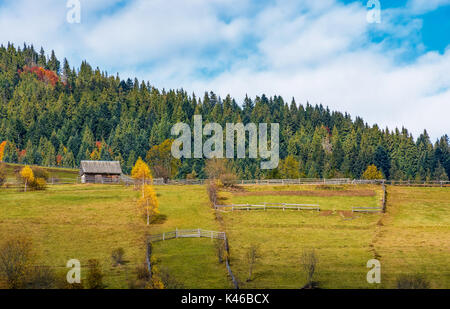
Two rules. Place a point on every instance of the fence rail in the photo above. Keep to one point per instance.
(301, 181)
(367, 209)
(440, 183)
(197, 233)
(266, 206)
(310, 181)
(160, 181)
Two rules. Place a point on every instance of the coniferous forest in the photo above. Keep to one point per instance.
(52, 114)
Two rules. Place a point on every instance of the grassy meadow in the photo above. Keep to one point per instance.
(340, 241)
(77, 222)
(342, 197)
(192, 262)
(89, 221)
(67, 174)
(414, 236)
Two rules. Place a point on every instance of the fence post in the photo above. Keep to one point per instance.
(164, 236)
(149, 265)
(176, 233)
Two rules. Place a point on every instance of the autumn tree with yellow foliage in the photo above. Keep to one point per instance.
(27, 175)
(141, 172)
(290, 168)
(2, 150)
(149, 202)
(162, 163)
(372, 173)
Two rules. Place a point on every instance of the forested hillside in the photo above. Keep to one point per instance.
(55, 115)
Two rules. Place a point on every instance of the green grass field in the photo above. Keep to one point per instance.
(415, 235)
(329, 201)
(341, 244)
(413, 238)
(192, 262)
(67, 174)
(89, 221)
(77, 222)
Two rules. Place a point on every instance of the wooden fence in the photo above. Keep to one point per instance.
(160, 181)
(418, 183)
(301, 181)
(197, 233)
(307, 181)
(266, 206)
(367, 209)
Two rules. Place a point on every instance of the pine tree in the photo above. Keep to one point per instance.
(382, 161)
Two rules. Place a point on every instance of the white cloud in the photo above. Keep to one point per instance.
(423, 6)
(316, 51)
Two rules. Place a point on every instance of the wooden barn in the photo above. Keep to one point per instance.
(100, 171)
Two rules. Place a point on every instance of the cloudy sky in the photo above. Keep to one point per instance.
(394, 73)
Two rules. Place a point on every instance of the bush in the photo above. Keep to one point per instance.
(168, 281)
(220, 249)
(252, 256)
(142, 272)
(15, 259)
(40, 173)
(142, 277)
(117, 256)
(95, 275)
(214, 168)
(41, 277)
(228, 179)
(412, 282)
(155, 281)
(212, 192)
(38, 184)
(309, 261)
(192, 175)
(61, 283)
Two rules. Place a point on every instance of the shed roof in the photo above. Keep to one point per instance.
(100, 167)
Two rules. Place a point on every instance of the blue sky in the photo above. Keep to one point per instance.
(393, 73)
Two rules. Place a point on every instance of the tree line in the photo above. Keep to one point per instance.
(52, 114)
